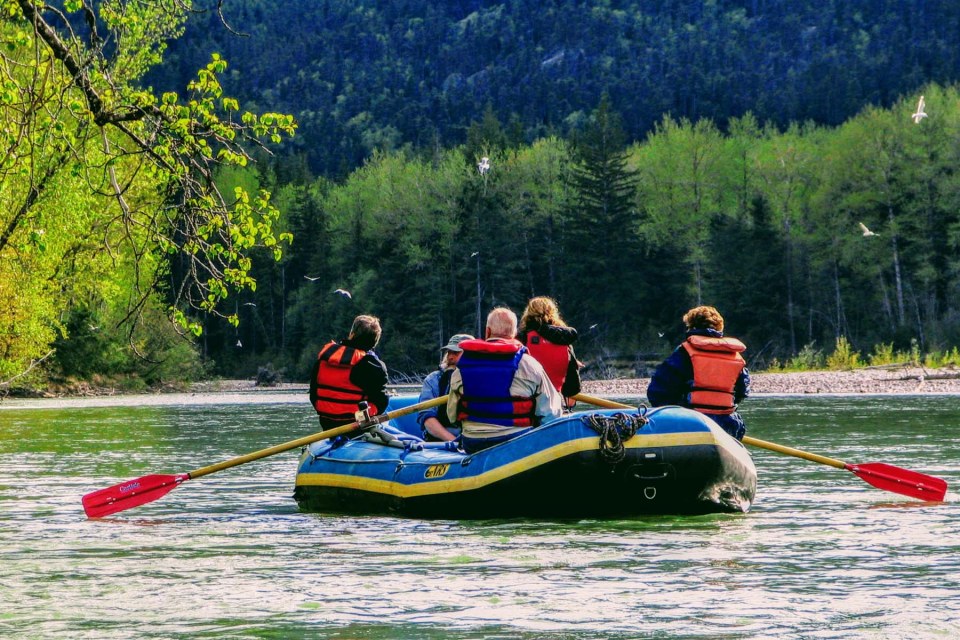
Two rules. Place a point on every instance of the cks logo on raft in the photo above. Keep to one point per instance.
(436, 471)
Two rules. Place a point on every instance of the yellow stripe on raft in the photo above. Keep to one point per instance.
(531, 461)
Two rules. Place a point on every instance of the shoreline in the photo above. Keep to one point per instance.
(893, 380)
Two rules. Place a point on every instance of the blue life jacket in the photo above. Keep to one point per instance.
(487, 369)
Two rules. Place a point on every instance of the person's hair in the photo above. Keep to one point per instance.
(365, 332)
(540, 311)
(502, 323)
(703, 318)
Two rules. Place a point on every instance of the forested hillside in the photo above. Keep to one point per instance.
(762, 223)
(643, 157)
(368, 75)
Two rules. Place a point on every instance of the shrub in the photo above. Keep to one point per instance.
(883, 354)
(809, 359)
(843, 356)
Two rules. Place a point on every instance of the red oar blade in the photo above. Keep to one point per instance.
(902, 481)
(129, 494)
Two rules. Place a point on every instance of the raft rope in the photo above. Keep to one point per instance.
(614, 430)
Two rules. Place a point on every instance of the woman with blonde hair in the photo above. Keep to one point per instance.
(549, 340)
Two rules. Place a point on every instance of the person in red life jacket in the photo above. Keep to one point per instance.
(706, 372)
(549, 340)
(499, 391)
(435, 425)
(347, 373)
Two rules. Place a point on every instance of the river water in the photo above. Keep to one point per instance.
(821, 555)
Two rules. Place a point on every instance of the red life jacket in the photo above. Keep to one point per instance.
(717, 364)
(487, 369)
(555, 358)
(338, 398)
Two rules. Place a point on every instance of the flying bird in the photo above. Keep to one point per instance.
(920, 114)
(249, 304)
(484, 165)
(866, 232)
(239, 344)
(344, 293)
(312, 279)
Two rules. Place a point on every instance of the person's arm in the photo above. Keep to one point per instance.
(427, 418)
(314, 370)
(429, 391)
(532, 380)
(370, 374)
(742, 389)
(434, 427)
(549, 401)
(571, 383)
(670, 382)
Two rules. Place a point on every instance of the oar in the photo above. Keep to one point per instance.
(881, 475)
(134, 493)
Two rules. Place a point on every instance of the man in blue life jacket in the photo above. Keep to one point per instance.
(347, 373)
(499, 391)
(435, 425)
(705, 373)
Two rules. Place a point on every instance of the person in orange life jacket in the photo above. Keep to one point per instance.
(549, 340)
(499, 391)
(706, 372)
(434, 424)
(347, 373)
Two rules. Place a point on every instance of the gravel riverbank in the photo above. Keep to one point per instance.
(900, 380)
(887, 380)
(881, 380)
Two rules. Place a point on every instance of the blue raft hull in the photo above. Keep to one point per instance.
(679, 462)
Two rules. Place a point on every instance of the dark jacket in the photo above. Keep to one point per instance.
(672, 382)
(563, 336)
(369, 374)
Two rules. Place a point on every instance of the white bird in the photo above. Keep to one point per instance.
(312, 279)
(660, 333)
(920, 114)
(249, 304)
(474, 254)
(239, 344)
(591, 327)
(866, 232)
(344, 293)
(484, 165)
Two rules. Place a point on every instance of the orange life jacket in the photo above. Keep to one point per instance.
(555, 358)
(717, 364)
(338, 398)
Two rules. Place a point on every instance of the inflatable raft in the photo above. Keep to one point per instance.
(602, 463)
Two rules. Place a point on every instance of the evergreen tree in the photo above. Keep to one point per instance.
(601, 249)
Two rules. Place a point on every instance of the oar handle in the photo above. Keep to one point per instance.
(316, 437)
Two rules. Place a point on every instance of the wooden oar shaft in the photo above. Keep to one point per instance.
(601, 402)
(322, 435)
(797, 453)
